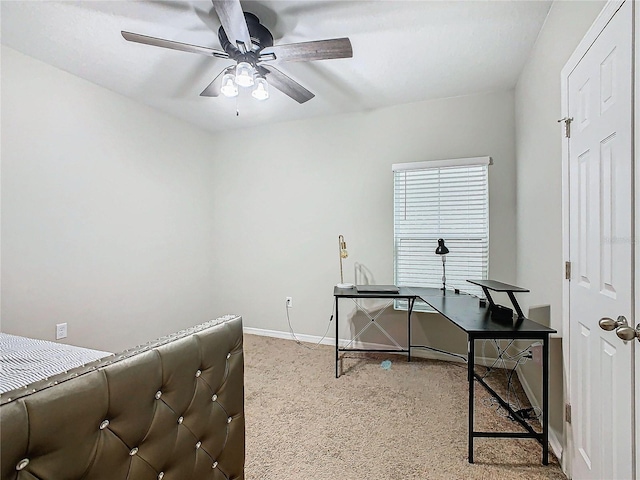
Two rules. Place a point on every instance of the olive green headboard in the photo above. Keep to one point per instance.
(172, 409)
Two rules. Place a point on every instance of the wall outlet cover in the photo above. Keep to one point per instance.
(536, 351)
(61, 331)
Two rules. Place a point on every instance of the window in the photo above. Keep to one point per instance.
(446, 199)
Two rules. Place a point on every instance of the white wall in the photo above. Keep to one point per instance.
(539, 174)
(287, 191)
(538, 143)
(128, 224)
(107, 213)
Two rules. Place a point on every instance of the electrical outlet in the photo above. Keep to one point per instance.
(536, 352)
(289, 302)
(61, 330)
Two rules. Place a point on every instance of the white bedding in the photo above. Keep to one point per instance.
(27, 360)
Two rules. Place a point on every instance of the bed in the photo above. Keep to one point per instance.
(169, 409)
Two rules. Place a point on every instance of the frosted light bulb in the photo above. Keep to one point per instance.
(244, 74)
(228, 88)
(261, 90)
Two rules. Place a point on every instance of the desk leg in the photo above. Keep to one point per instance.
(545, 401)
(409, 309)
(471, 367)
(337, 356)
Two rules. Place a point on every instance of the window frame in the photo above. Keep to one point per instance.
(483, 241)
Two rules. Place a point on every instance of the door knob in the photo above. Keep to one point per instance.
(609, 324)
(627, 333)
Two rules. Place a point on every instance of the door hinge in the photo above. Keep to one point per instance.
(567, 125)
(567, 412)
(567, 270)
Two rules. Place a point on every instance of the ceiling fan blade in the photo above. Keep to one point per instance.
(185, 47)
(213, 89)
(233, 21)
(307, 51)
(286, 85)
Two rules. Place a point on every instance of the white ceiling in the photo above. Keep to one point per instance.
(403, 51)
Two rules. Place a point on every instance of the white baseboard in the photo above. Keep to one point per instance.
(528, 391)
(415, 351)
(556, 444)
(555, 441)
(344, 342)
(287, 336)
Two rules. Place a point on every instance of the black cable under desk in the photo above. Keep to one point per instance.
(466, 312)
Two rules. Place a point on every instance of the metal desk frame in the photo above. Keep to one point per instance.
(465, 312)
(352, 293)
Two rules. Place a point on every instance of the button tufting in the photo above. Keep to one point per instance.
(198, 445)
(228, 356)
(133, 451)
(158, 395)
(198, 373)
(180, 419)
(215, 464)
(214, 398)
(229, 420)
(160, 475)
(104, 424)
(22, 463)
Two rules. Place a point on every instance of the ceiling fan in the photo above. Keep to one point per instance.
(250, 44)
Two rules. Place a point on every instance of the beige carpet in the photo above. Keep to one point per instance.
(407, 422)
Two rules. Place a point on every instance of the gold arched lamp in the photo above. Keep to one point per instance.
(342, 247)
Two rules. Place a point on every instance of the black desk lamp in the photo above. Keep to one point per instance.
(442, 250)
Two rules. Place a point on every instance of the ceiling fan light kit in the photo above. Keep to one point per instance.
(261, 90)
(229, 87)
(250, 44)
(244, 74)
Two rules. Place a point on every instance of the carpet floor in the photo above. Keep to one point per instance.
(407, 421)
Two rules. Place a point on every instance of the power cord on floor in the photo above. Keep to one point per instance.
(300, 342)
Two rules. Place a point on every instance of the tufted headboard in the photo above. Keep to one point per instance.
(172, 409)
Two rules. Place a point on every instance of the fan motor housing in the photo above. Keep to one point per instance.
(260, 38)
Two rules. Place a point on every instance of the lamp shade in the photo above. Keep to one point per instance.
(229, 87)
(261, 89)
(244, 74)
(442, 249)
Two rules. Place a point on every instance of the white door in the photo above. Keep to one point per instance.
(637, 230)
(600, 251)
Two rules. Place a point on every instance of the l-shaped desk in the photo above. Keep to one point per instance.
(476, 321)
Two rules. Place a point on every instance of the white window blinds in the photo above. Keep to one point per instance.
(446, 199)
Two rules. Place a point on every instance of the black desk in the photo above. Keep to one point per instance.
(403, 293)
(465, 312)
